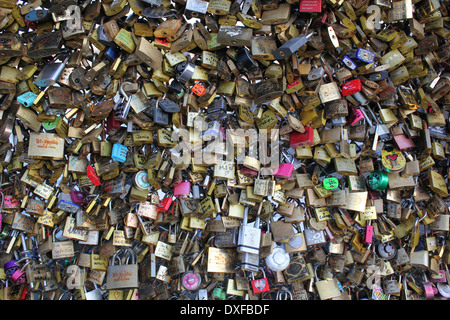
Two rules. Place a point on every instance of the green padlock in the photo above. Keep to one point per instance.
(378, 180)
(330, 183)
(50, 125)
(219, 294)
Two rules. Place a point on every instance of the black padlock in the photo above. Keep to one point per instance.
(45, 45)
(290, 47)
(158, 115)
(245, 59)
(103, 38)
(217, 109)
(169, 106)
(176, 87)
(378, 76)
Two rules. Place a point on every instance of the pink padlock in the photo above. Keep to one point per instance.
(182, 189)
(284, 171)
(368, 234)
(358, 116)
(18, 277)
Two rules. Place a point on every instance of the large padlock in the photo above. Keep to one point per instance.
(122, 276)
(327, 289)
(249, 238)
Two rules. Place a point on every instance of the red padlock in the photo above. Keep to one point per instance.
(164, 204)
(351, 87)
(248, 172)
(319, 21)
(260, 285)
(92, 175)
(162, 41)
(293, 83)
(112, 124)
(301, 140)
(31, 24)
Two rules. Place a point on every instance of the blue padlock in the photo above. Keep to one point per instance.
(38, 15)
(212, 132)
(27, 98)
(349, 63)
(365, 55)
(119, 152)
(340, 285)
(112, 53)
(65, 203)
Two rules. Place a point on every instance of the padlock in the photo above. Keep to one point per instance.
(50, 74)
(301, 140)
(285, 169)
(122, 109)
(164, 204)
(279, 259)
(260, 285)
(218, 294)
(95, 294)
(61, 249)
(114, 274)
(327, 289)
(249, 237)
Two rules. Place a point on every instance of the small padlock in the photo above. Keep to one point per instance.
(260, 285)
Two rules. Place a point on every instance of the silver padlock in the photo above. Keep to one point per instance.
(249, 238)
(50, 74)
(122, 109)
(65, 203)
(95, 294)
(202, 294)
(187, 71)
(314, 237)
(196, 192)
(250, 262)
(279, 259)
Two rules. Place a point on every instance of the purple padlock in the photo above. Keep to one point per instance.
(10, 267)
(78, 198)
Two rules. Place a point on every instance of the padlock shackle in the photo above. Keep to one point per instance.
(130, 253)
(122, 91)
(245, 220)
(315, 270)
